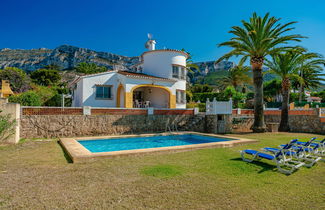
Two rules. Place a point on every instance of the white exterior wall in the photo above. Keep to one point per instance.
(180, 85)
(89, 90)
(85, 94)
(155, 63)
(77, 97)
(159, 63)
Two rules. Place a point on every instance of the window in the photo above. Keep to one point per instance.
(179, 72)
(180, 97)
(183, 73)
(103, 92)
(175, 71)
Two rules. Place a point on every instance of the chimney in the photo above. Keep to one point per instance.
(150, 44)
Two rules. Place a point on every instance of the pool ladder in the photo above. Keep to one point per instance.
(171, 126)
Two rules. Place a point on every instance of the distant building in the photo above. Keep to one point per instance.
(158, 81)
(314, 99)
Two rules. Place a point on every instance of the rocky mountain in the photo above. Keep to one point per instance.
(65, 56)
(210, 66)
(209, 71)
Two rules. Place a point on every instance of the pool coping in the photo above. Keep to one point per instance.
(79, 153)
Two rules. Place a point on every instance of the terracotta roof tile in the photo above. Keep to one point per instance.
(125, 73)
(141, 75)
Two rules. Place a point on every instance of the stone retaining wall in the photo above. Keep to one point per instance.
(46, 126)
(306, 123)
(300, 123)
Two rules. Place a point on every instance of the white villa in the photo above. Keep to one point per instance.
(159, 81)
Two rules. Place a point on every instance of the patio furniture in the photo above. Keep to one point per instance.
(137, 104)
(284, 163)
(318, 146)
(146, 104)
(301, 153)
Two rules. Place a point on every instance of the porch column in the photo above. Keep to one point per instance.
(128, 100)
(172, 100)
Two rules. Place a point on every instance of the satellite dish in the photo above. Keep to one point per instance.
(150, 36)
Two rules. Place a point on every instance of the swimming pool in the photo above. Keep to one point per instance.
(82, 149)
(132, 143)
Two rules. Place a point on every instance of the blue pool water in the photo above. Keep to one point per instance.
(131, 143)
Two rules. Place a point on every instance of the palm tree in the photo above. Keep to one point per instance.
(272, 89)
(258, 38)
(286, 66)
(237, 76)
(310, 72)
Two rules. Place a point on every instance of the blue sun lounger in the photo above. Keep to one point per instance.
(317, 147)
(298, 153)
(284, 163)
(312, 149)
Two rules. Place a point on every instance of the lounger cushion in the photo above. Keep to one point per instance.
(276, 150)
(262, 155)
(271, 149)
(301, 143)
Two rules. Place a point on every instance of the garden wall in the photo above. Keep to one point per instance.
(71, 122)
(308, 121)
(12, 110)
(46, 126)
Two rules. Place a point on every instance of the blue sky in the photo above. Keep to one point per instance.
(121, 26)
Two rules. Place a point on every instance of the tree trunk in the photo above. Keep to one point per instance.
(259, 124)
(284, 124)
(301, 92)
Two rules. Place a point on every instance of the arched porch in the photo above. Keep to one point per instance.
(143, 96)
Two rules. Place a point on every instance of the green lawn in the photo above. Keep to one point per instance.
(37, 175)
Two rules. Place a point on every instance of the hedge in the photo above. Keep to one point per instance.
(202, 97)
(312, 104)
(201, 106)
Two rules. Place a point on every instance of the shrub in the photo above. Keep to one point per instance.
(201, 88)
(189, 96)
(45, 77)
(56, 100)
(45, 93)
(225, 95)
(273, 104)
(237, 97)
(29, 98)
(312, 104)
(201, 106)
(90, 68)
(19, 81)
(250, 95)
(202, 97)
(320, 94)
(295, 97)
